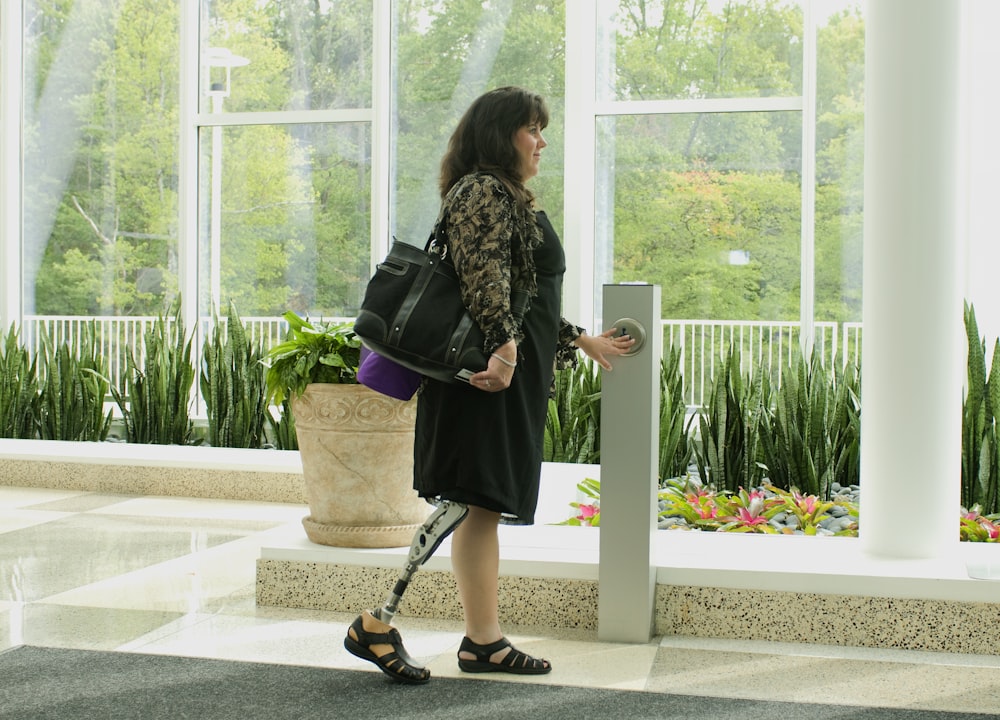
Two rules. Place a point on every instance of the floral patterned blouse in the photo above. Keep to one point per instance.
(491, 240)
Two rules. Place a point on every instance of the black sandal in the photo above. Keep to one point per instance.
(514, 661)
(398, 664)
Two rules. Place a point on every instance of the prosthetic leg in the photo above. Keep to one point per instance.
(397, 663)
(426, 541)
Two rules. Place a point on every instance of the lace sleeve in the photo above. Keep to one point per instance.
(478, 230)
(566, 355)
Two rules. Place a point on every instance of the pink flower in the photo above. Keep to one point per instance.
(806, 503)
(992, 529)
(703, 506)
(707, 512)
(587, 512)
(747, 517)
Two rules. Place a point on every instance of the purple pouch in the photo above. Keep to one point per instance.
(386, 377)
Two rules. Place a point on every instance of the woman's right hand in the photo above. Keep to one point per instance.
(608, 343)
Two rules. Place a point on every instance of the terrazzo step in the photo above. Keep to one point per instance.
(709, 585)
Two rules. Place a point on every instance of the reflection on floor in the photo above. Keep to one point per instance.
(176, 576)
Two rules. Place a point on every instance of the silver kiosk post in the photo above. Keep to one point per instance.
(630, 416)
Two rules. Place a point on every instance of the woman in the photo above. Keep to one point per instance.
(481, 444)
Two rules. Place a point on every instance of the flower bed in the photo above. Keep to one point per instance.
(686, 504)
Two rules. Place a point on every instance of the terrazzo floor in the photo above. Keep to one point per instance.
(176, 576)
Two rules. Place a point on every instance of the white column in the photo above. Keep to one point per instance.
(913, 357)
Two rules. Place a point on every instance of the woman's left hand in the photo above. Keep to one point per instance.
(499, 371)
(608, 343)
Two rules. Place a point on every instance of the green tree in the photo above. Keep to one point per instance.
(102, 233)
(840, 167)
(690, 188)
(114, 230)
(448, 53)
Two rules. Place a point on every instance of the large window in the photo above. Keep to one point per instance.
(708, 207)
(700, 164)
(284, 218)
(446, 53)
(260, 151)
(285, 164)
(100, 161)
(284, 143)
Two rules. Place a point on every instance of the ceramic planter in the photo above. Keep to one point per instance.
(357, 461)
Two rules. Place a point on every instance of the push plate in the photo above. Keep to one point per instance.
(628, 326)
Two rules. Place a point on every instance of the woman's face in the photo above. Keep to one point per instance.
(528, 142)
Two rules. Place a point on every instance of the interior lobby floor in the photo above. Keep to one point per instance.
(176, 576)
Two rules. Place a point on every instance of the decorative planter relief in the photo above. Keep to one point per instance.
(357, 461)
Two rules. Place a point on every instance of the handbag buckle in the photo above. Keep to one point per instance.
(438, 249)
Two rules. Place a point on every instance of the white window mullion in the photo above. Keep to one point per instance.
(11, 62)
(699, 105)
(284, 117)
(579, 164)
(187, 239)
(807, 293)
(381, 134)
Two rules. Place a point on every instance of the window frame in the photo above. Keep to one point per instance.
(587, 24)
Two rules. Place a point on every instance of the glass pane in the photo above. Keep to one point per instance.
(286, 211)
(287, 54)
(674, 49)
(708, 207)
(100, 156)
(489, 44)
(839, 160)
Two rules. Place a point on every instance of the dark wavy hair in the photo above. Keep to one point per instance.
(484, 139)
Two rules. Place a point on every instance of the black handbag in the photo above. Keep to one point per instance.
(413, 314)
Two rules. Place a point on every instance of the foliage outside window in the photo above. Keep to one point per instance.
(704, 203)
(448, 52)
(707, 203)
(294, 206)
(100, 156)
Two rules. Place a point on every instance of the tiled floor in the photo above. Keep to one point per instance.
(176, 576)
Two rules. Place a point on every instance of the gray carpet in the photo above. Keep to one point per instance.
(38, 683)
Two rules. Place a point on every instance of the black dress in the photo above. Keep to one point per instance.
(484, 448)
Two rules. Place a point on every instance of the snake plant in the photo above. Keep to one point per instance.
(232, 385)
(728, 453)
(980, 450)
(18, 389)
(282, 432)
(676, 444)
(73, 386)
(573, 422)
(154, 395)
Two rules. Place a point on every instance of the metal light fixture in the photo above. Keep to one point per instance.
(216, 57)
(217, 89)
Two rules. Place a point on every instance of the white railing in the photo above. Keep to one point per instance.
(116, 337)
(704, 344)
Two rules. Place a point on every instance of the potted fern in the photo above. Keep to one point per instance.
(356, 445)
